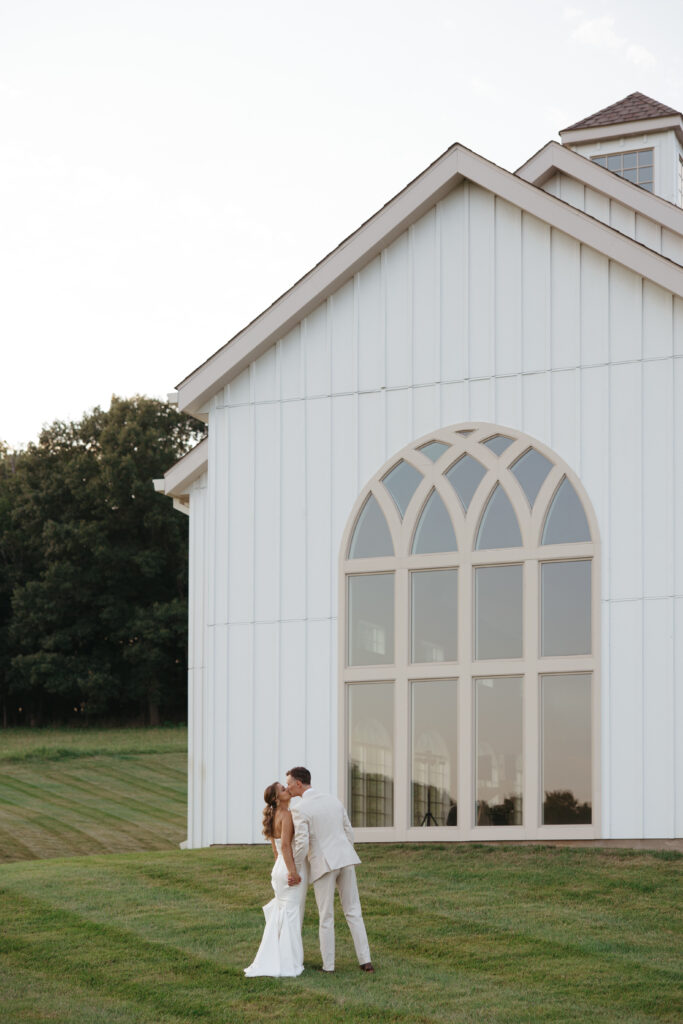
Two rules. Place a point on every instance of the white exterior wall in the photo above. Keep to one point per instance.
(478, 312)
(618, 216)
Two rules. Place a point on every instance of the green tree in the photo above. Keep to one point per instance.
(95, 566)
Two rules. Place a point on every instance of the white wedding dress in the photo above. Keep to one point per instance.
(281, 953)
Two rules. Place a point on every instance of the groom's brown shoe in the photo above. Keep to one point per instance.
(368, 968)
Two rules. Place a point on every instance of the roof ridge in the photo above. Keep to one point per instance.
(634, 107)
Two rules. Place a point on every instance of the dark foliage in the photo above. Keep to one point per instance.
(93, 569)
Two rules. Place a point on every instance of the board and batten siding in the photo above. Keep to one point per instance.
(628, 221)
(478, 312)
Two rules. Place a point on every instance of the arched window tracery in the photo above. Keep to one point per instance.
(469, 615)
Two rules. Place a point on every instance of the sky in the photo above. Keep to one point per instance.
(168, 169)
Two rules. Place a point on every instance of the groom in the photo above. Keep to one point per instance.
(322, 831)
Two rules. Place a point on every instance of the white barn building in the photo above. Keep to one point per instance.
(436, 543)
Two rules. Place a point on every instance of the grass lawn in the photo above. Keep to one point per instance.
(459, 933)
(66, 792)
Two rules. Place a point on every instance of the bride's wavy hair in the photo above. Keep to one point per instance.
(270, 795)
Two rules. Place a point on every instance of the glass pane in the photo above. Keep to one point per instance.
(629, 160)
(371, 619)
(499, 527)
(434, 615)
(531, 470)
(566, 749)
(434, 449)
(566, 521)
(498, 443)
(434, 747)
(434, 530)
(602, 160)
(498, 611)
(499, 751)
(614, 162)
(647, 185)
(631, 174)
(371, 754)
(371, 536)
(465, 476)
(565, 608)
(401, 482)
(645, 157)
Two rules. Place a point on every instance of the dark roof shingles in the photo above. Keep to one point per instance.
(634, 107)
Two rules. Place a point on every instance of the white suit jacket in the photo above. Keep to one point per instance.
(322, 831)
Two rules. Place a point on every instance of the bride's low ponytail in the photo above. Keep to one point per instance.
(270, 796)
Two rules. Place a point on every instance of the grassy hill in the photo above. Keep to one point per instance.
(493, 935)
(68, 792)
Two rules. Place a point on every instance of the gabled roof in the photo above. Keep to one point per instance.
(634, 107)
(554, 157)
(178, 479)
(440, 178)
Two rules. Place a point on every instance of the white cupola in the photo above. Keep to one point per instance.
(637, 138)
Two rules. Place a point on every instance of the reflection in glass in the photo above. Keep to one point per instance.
(498, 611)
(531, 470)
(565, 608)
(402, 482)
(566, 741)
(465, 476)
(371, 754)
(434, 530)
(499, 527)
(566, 521)
(434, 615)
(371, 536)
(499, 750)
(371, 619)
(434, 749)
(434, 449)
(498, 443)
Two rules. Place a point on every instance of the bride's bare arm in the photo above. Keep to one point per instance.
(288, 855)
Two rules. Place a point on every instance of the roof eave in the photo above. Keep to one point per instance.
(178, 480)
(324, 279)
(554, 158)
(624, 129)
(433, 184)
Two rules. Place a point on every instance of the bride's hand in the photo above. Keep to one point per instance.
(293, 879)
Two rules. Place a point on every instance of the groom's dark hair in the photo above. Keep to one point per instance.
(301, 774)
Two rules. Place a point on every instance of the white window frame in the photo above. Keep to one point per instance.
(620, 174)
(531, 666)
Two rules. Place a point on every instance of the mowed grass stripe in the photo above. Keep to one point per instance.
(55, 743)
(165, 983)
(82, 803)
(138, 786)
(46, 835)
(93, 805)
(192, 921)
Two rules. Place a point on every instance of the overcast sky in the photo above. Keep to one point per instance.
(168, 168)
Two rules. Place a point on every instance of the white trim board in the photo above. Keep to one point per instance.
(554, 157)
(183, 473)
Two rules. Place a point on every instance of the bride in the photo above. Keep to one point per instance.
(281, 953)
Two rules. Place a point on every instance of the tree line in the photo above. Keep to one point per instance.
(93, 570)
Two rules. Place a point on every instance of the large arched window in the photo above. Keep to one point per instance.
(469, 633)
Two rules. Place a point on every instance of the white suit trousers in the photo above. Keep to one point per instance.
(343, 879)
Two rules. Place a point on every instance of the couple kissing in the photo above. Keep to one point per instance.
(312, 841)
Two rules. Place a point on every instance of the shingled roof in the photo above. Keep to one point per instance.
(634, 107)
